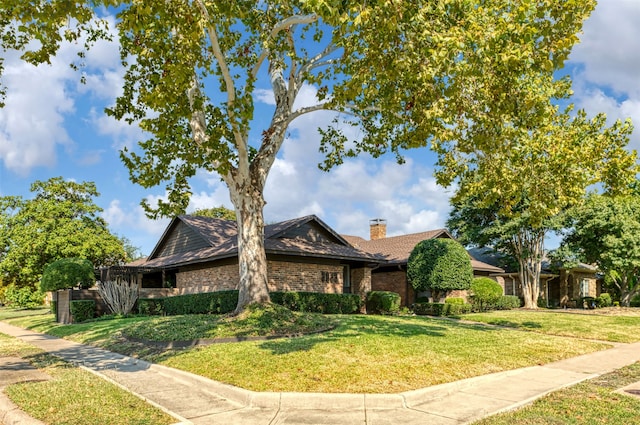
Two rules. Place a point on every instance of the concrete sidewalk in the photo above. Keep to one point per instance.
(192, 399)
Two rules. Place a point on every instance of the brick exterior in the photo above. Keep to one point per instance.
(282, 275)
(394, 281)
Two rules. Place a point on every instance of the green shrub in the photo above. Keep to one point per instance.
(25, 297)
(635, 301)
(439, 265)
(54, 307)
(587, 302)
(383, 302)
(219, 302)
(617, 304)
(316, 302)
(484, 292)
(151, 306)
(82, 310)
(454, 300)
(542, 302)
(441, 309)
(507, 302)
(604, 300)
(67, 273)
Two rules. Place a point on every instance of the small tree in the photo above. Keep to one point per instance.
(485, 291)
(439, 265)
(67, 273)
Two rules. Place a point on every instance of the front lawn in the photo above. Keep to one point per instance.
(74, 396)
(363, 354)
(591, 402)
(614, 328)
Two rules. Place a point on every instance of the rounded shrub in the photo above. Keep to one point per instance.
(67, 273)
(485, 292)
(383, 302)
(440, 266)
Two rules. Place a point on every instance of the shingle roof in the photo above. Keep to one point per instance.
(396, 249)
(221, 238)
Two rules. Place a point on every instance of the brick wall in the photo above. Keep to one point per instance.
(394, 281)
(283, 276)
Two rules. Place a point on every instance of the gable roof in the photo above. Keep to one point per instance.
(193, 239)
(397, 249)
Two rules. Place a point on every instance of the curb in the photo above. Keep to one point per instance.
(10, 413)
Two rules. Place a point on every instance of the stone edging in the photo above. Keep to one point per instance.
(177, 345)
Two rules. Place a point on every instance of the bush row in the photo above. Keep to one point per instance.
(82, 310)
(222, 302)
(318, 302)
(219, 302)
(383, 302)
(441, 309)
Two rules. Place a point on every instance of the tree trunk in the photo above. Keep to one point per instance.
(529, 250)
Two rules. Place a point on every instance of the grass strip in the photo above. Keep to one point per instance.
(74, 396)
(591, 402)
(598, 327)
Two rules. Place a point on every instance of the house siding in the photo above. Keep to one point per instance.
(183, 239)
(282, 276)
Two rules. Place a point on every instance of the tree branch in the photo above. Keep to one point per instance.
(281, 26)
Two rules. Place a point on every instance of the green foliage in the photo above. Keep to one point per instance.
(635, 301)
(151, 306)
(67, 273)
(82, 310)
(316, 302)
(383, 302)
(454, 300)
(605, 230)
(217, 212)
(219, 302)
(60, 221)
(507, 302)
(24, 297)
(53, 307)
(604, 300)
(439, 265)
(485, 291)
(441, 309)
(542, 302)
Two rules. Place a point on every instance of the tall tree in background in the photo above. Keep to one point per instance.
(605, 230)
(405, 73)
(511, 193)
(60, 221)
(216, 212)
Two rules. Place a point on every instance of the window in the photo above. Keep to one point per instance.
(584, 287)
(329, 277)
(346, 280)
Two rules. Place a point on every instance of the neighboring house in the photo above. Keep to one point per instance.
(392, 275)
(200, 254)
(559, 287)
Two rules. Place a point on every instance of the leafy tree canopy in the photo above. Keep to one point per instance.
(404, 73)
(60, 221)
(217, 212)
(439, 265)
(67, 273)
(606, 231)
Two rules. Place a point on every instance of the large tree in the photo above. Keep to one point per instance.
(406, 73)
(511, 193)
(606, 231)
(60, 221)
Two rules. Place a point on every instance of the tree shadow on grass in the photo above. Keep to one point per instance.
(368, 327)
(516, 325)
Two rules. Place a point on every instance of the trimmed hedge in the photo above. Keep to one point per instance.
(441, 309)
(82, 310)
(507, 302)
(454, 300)
(383, 302)
(635, 301)
(151, 306)
(604, 300)
(316, 302)
(53, 307)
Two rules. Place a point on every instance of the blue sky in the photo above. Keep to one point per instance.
(53, 126)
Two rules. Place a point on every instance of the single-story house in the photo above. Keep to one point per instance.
(200, 254)
(559, 286)
(392, 275)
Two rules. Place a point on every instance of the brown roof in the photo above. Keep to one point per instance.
(221, 242)
(396, 249)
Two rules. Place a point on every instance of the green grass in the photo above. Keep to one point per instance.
(588, 326)
(74, 396)
(591, 402)
(374, 354)
(363, 354)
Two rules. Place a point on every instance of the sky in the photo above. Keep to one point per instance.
(53, 126)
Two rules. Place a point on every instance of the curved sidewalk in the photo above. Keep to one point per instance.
(192, 399)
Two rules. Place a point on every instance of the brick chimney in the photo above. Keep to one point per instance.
(377, 229)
